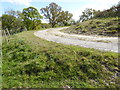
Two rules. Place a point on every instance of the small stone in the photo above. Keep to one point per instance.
(66, 86)
(107, 84)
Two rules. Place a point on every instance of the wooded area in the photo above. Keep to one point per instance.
(30, 18)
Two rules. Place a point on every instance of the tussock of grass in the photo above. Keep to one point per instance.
(104, 27)
(29, 61)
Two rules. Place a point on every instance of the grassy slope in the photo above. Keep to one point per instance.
(0, 54)
(29, 61)
(105, 27)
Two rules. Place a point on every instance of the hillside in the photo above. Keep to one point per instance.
(103, 27)
(36, 54)
(31, 62)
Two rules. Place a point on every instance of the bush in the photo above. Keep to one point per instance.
(78, 27)
(46, 25)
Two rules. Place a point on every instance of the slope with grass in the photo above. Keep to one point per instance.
(0, 54)
(31, 62)
(103, 27)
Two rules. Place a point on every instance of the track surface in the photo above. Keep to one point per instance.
(96, 42)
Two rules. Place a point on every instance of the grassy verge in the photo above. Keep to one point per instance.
(29, 61)
(103, 27)
(0, 72)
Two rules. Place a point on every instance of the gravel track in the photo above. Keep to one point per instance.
(96, 42)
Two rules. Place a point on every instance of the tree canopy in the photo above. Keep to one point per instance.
(55, 14)
(12, 23)
(113, 11)
(88, 13)
(31, 17)
(8, 21)
(64, 18)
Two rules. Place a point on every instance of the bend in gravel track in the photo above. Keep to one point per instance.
(95, 42)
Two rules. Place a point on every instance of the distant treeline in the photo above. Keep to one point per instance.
(90, 13)
(31, 19)
(114, 11)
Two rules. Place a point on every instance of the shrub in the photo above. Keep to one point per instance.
(111, 32)
(98, 22)
(78, 27)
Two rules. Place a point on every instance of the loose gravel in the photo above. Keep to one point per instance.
(96, 42)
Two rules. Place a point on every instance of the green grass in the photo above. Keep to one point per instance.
(29, 61)
(104, 27)
(0, 70)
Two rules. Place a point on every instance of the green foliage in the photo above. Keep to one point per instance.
(13, 13)
(8, 21)
(51, 12)
(112, 12)
(45, 25)
(32, 62)
(56, 16)
(88, 13)
(12, 22)
(31, 18)
(16, 22)
(64, 17)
